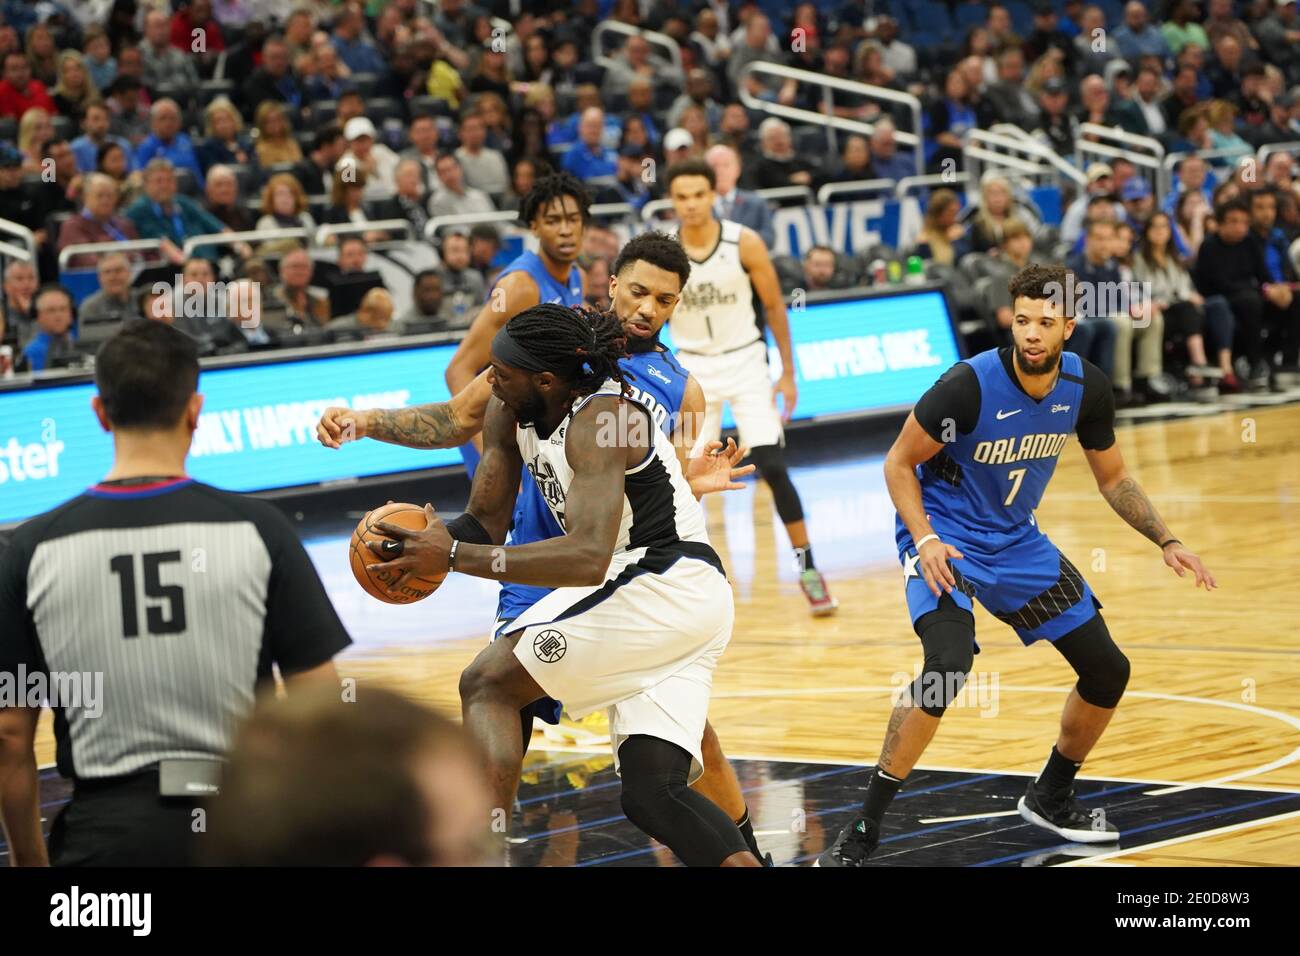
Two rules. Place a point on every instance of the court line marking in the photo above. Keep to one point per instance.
(970, 816)
(1293, 722)
(1160, 844)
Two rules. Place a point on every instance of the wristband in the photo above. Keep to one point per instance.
(927, 538)
(451, 555)
(1169, 542)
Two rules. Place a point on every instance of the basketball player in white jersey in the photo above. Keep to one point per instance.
(718, 339)
(641, 609)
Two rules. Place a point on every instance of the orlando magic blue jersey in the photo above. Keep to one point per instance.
(533, 521)
(549, 288)
(659, 384)
(991, 479)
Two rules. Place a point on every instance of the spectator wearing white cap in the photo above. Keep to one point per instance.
(678, 144)
(364, 152)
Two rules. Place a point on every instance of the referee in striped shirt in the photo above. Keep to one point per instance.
(174, 598)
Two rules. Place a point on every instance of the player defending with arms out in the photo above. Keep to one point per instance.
(646, 281)
(641, 609)
(966, 473)
(718, 337)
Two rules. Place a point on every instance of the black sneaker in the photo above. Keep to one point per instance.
(856, 842)
(766, 860)
(1065, 815)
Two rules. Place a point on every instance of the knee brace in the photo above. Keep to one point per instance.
(948, 638)
(1102, 667)
(658, 801)
(770, 460)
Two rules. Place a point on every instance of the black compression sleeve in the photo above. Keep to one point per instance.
(467, 528)
(1096, 425)
(954, 398)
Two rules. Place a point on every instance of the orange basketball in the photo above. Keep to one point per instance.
(377, 583)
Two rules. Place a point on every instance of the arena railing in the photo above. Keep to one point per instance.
(831, 122)
(250, 236)
(651, 36)
(1005, 139)
(68, 253)
(25, 253)
(908, 183)
(652, 209)
(854, 186)
(606, 210)
(1121, 144)
(376, 225)
(1267, 150)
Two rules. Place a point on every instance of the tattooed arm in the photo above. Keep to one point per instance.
(1131, 503)
(437, 425)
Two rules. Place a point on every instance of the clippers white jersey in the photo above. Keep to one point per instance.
(716, 310)
(659, 510)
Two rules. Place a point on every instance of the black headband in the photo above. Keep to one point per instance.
(505, 348)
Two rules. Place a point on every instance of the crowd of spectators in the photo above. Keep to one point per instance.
(166, 120)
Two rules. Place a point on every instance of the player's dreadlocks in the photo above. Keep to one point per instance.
(550, 188)
(580, 345)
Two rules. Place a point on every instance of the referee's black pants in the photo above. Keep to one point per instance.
(122, 821)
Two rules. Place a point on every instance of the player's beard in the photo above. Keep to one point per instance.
(1044, 367)
(637, 344)
(532, 411)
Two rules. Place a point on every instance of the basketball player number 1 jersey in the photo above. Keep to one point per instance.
(716, 311)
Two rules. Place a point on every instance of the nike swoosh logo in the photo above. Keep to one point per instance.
(1002, 414)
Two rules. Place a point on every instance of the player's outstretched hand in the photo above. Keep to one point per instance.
(338, 425)
(1182, 561)
(423, 553)
(789, 393)
(934, 557)
(718, 468)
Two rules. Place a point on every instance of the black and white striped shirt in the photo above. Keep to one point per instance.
(182, 596)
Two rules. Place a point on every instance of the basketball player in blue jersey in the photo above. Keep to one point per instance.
(966, 474)
(645, 283)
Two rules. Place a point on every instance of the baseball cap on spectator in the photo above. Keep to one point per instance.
(357, 127)
(1055, 85)
(1135, 188)
(678, 138)
(1098, 171)
(9, 156)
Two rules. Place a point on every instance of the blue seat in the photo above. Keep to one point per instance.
(971, 15)
(82, 283)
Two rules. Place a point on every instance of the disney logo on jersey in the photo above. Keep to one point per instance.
(1060, 408)
(705, 295)
(547, 483)
(655, 373)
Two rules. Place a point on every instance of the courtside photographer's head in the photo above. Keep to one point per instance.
(1042, 298)
(147, 376)
(314, 780)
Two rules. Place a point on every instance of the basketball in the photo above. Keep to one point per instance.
(376, 583)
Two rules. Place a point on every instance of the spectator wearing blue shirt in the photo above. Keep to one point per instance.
(887, 160)
(353, 49)
(1193, 174)
(590, 158)
(54, 336)
(94, 126)
(1136, 38)
(166, 141)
